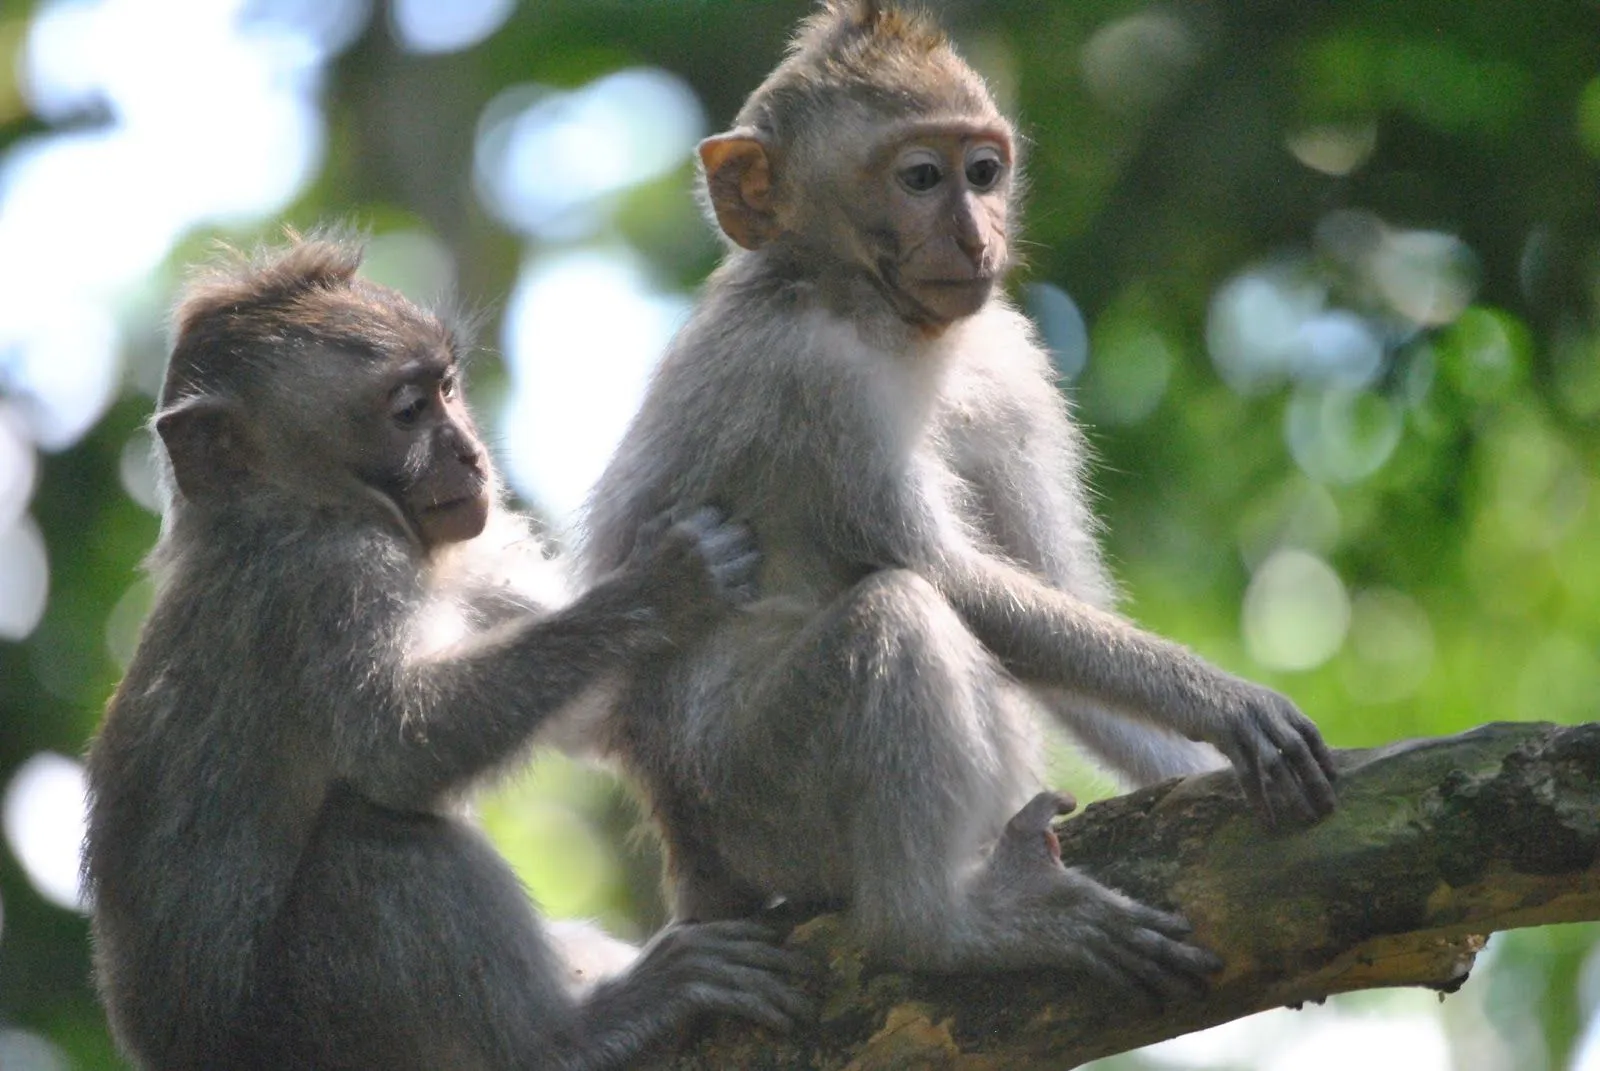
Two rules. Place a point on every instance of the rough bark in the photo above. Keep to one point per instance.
(1436, 844)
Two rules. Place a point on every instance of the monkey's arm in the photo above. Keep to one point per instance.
(1045, 635)
(445, 718)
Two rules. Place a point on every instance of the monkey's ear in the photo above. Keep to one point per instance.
(739, 180)
(208, 445)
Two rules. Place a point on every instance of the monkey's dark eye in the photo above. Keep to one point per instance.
(983, 172)
(409, 405)
(920, 177)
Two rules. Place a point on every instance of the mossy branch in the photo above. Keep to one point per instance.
(1436, 844)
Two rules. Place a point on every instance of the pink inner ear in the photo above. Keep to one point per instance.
(755, 181)
(739, 179)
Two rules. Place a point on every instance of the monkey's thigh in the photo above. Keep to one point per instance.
(408, 943)
(882, 738)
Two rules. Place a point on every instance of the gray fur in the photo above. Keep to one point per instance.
(280, 878)
(932, 585)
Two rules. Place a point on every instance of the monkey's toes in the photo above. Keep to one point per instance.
(1038, 813)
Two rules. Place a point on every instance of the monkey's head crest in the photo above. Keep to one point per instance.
(892, 60)
(868, 30)
(242, 309)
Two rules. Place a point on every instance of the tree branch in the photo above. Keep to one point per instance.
(1436, 844)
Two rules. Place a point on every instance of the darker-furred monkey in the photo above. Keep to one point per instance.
(333, 656)
(854, 387)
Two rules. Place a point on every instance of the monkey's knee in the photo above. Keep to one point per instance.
(901, 604)
(917, 672)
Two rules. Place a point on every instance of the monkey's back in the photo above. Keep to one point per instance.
(207, 772)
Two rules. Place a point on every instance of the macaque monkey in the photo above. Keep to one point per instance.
(336, 654)
(854, 386)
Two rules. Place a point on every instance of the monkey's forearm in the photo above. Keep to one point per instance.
(1044, 635)
(466, 710)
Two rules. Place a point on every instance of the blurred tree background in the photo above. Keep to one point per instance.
(1323, 279)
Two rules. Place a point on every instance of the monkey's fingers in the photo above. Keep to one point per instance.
(736, 578)
(1149, 964)
(1166, 969)
(1301, 783)
(1251, 767)
(703, 521)
(754, 944)
(733, 930)
(1311, 760)
(757, 951)
(754, 995)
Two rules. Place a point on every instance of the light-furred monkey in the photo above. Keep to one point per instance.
(852, 385)
(278, 879)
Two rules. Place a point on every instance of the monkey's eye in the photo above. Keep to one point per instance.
(920, 172)
(409, 403)
(984, 168)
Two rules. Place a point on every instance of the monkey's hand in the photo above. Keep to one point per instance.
(697, 565)
(732, 967)
(1067, 919)
(1286, 770)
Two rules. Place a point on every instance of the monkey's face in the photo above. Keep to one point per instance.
(939, 193)
(425, 453)
(919, 207)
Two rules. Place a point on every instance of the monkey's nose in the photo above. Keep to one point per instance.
(974, 248)
(467, 449)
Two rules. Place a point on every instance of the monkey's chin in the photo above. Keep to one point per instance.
(454, 522)
(949, 300)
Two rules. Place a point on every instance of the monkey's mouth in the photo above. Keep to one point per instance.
(474, 499)
(946, 300)
(455, 519)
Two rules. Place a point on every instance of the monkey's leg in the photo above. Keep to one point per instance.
(891, 711)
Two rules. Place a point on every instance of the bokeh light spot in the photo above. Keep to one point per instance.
(1341, 436)
(1338, 347)
(1392, 641)
(415, 263)
(1301, 513)
(1577, 371)
(1061, 325)
(137, 468)
(1484, 353)
(18, 468)
(21, 1050)
(24, 579)
(446, 25)
(1133, 361)
(60, 360)
(1589, 118)
(1334, 149)
(1558, 680)
(1296, 612)
(546, 160)
(1271, 323)
(44, 824)
(582, 332)
(1539, 483)
(1426, 276)
(1133, 63)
